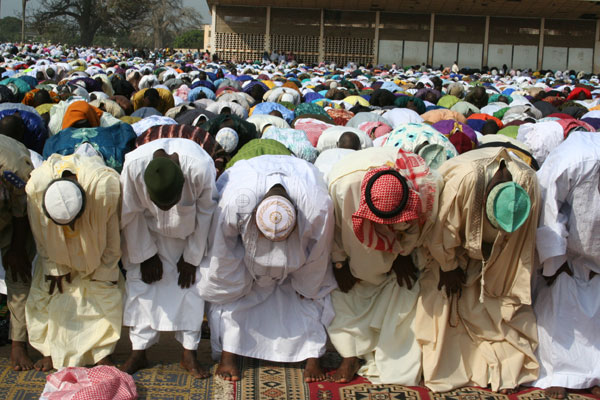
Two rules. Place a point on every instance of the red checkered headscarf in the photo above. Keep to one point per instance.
(98, 383)
(403, 192)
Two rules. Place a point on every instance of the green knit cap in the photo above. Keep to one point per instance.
(508, 206)
(164, 181)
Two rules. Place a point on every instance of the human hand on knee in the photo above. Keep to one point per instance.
(343, 276)
(16, 261)
(452, 280)
(187, 274)
(405, 270)
(56, 281)
(151, 269)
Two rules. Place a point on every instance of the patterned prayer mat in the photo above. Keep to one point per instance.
(161, 382)
(280, 381)
(260, 380)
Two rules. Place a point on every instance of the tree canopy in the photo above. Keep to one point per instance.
(145, 23)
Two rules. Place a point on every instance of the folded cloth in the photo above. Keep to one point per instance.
(98, 383)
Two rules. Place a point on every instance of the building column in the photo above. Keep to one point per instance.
(376, 40)
(596, 62)
(322, 37)
(431, 37)
(486, 40)
(540, 59)
(213, 30)
(268, 31)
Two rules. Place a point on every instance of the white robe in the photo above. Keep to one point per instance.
(328, 158)
(568, 312)
(270, 300)
(147, 230)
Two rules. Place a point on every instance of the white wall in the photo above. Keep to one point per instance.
(390, 51)
(524, 57)
(444, 53)
(555, 58)
(470, 55)
(415, 53)
(499, 54)
(581, 59)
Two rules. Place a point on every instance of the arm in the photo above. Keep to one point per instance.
(552, 234)
(196, 243)
(224, 276)
(314, 280)
(446, 239)
(16, 259)
(139, 242)
(108, 270)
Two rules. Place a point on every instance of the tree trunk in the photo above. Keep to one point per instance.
(87, 34)
(89, 22)
(157, 33)
(24, 6)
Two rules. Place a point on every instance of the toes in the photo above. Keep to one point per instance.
(195, 373)
(224, 375)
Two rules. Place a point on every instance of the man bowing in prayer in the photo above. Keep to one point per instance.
(15, 243)
(474, 320)
(169, 196)
(567, 303)
(385, 201)
(75, 305)
(268, 276)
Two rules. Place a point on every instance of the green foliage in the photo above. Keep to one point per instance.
(193, 39)
(10, 29)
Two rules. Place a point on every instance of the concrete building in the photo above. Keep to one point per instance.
(547, 34)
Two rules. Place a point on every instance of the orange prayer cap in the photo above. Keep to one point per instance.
(81, 110)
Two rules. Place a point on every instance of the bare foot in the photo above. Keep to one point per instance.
(313, 371)
(44, 365)
(136, 361)
(19, 359)
(190, 362)
(556, 392)
(507, 391)
(347, 369)
(595, 391)
(227, 368)
(106, 361)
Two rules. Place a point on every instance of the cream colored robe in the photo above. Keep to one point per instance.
(82, 325)
(466, 341)
(375, 319)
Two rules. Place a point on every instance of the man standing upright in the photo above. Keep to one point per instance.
(169, 196)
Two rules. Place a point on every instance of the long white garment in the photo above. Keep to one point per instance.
(328, 158)
(182, 230)
(270, 300)
(568, 312)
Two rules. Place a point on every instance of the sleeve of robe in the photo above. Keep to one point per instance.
(447, 234)
(50, 267)
(195, 247)
(38, 221)
(140, 243)
(225, 277)
(108, 269)
(314, 280)
(552, 233)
